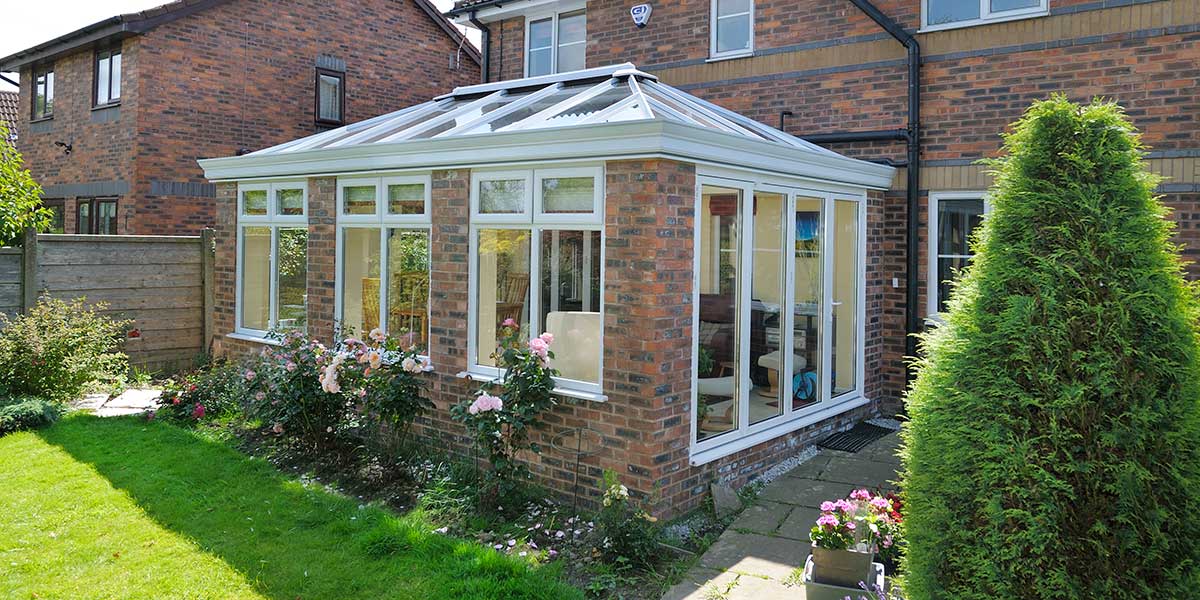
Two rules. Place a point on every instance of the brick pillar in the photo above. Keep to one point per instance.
(449, 283)
(648, 320)
(224, 266)
(322, 257)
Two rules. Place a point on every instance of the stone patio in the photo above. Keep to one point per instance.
(130, 402)
(768, 542)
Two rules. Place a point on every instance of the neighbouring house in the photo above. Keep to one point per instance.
(745, 309)
(114, 115)
(9, 112)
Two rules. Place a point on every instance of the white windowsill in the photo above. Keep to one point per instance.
(707, 455)
(978, 22)
(247, 337)
(733, 56)
(558, 391)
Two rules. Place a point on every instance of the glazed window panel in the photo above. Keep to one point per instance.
(733, 26)
(406, 198)
(254, 202)
(541, 48)
(360, 280)
(570, 301)
(358, 199)
(767, 302)
(503, 276)
(408, 286)
(718, 344)
(808, 258)
(289, 202)
(502, 196)
(957, 219)
(291, 287)
(846, 283)
(572, 41)
(256, 278)
(568, 195)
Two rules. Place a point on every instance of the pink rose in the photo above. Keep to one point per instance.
(509, 322)
(250, 375)
(198, 412)
(277, 428)
(547, 337)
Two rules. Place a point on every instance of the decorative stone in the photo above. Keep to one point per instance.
(725, 500)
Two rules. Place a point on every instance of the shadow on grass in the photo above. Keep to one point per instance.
(290, 540)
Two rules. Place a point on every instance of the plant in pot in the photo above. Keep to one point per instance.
(846, 536)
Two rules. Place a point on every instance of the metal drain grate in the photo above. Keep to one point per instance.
(856, 439)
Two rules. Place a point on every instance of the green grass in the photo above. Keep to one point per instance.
(122, 508)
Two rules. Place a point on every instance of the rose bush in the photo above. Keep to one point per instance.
(500, 424)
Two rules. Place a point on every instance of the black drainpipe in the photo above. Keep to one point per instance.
(912, 135)
(485, 54)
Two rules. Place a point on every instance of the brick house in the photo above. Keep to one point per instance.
(114, 115)
(716, 360)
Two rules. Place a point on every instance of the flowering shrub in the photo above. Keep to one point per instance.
(864, 522)
(304, 388)
(58, 349)
(501, 424)
(627, 534)
(213, 392)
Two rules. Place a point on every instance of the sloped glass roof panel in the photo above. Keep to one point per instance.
(615, 94)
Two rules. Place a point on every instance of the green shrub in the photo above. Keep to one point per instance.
(57, 350)
(20, 196)
(216, 391)
(626, 535)
(1054, 443)
(25, 412)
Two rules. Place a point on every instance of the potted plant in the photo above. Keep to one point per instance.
(846, 536)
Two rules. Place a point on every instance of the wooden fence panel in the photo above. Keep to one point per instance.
(158, 282)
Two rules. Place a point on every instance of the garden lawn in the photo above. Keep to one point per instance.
(124, 508)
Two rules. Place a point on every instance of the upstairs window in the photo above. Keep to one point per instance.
(732, 28)
(946, 14)
(43, 94)
(556, 44)
(108, 77)
(331, 97)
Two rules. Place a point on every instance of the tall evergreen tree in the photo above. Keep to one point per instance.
(1053, 449)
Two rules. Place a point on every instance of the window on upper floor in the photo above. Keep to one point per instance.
(108, 77)
(946, 14)
(731, 28)
(43, 93)
(331, 97)
(954, 217)
(556, 43)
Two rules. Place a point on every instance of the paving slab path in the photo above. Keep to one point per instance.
(756, 557)
(130, 402)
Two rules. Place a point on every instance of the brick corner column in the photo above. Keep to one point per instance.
(224, 266)
(449, 243)
(648, 313)
(322, 257)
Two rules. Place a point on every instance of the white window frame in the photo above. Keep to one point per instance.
(275, 222)
(596, 216)
(986, 15)
(553, 16)
(746, 434)
(933, 302)
(384, 222)
(536, 224)
(713, 54)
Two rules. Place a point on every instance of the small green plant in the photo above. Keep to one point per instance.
(626, 534)
(25, 412)
(501, 424)
(20, 196)
(58, 350)
(705, 363)
(216, 391)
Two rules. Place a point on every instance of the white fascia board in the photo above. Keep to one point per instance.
(603, 141)
(505, 10)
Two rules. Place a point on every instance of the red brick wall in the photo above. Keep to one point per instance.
(101, 151)
(239, 75)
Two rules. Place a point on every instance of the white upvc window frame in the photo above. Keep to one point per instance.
(829, 405)
(553, 15)
(986, 16)
(274, 222)
(535, 224)
(597, 214)
(713, 53)
(933, 302)
(385, 222)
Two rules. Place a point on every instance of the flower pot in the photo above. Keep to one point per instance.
(844, 568)
(821, 591)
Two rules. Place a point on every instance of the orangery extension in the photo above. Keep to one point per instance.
(713, 284)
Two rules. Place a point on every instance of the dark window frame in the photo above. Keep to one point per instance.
(46, 71)
(93, 218)
(61, 205)
(99, 55)
(341, 77)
